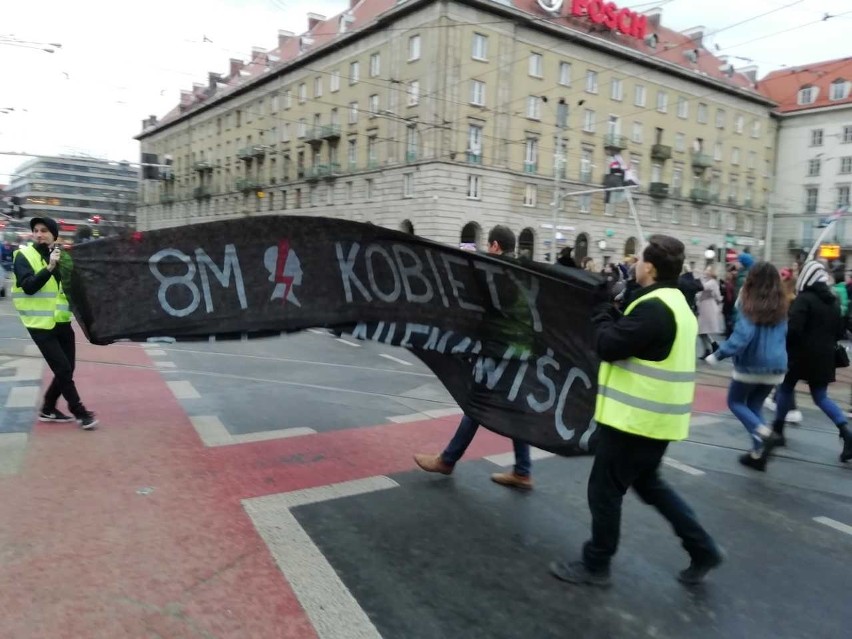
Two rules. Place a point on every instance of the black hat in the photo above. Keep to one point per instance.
(49, 222)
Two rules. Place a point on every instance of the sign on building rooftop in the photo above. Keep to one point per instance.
(607, 14)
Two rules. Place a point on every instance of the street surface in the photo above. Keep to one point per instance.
(266, 489)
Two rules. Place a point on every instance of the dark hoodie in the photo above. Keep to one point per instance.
(815, 326)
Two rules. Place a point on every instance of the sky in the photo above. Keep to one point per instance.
(121, 61)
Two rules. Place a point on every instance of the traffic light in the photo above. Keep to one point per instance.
(96, 219)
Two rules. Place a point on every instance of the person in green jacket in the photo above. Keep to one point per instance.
(839, 288)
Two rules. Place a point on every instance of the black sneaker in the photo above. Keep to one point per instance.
(87, 420)
(757, 463)
(54, 416)
(577, 573)
(698, 570)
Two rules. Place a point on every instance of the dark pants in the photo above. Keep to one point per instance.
(623, 460)
(58, 349)
(464, 436)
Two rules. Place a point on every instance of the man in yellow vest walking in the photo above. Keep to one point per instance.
(646, 385)
(43, 307)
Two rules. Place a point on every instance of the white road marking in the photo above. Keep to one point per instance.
(831, 523)
(705, 420)
(29, 369)
(424, 415)
(348, 343)
(333, 611)
(212, 432)
(23, 397)
(668, 461)
(394, 359)
(160, 364)
(13, 447)
(317, 331)
(443, 412)
(183, 389)
(155, 352)
(405, 419)
(508, 459)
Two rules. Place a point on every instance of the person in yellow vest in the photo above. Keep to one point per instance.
(646, 384)
(40, 301)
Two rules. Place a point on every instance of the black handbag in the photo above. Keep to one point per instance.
(841, 357)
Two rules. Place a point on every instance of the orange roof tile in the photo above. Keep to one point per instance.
(783, 86)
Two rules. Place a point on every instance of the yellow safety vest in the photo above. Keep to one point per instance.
(653, 399)
(43, 309)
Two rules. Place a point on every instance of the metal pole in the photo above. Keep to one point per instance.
(821, 237)
(557, 163)
(635, 214)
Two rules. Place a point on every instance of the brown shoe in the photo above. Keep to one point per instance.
(513, 480)
(432, 464)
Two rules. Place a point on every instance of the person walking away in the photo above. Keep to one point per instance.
(839, 288)
(501, 241)
(41, 303)
(758, 346)
(709, 311)
(788, 283)
(646, 385)
(690, 287)
(814, 327)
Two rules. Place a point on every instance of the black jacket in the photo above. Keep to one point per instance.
(814, 327)
(28, 279)
(647, 333)
(690, 287)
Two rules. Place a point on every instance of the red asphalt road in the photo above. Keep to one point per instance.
(83, 554)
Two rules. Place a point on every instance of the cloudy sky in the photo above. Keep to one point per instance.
(121, 61)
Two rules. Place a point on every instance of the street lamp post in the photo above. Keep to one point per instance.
(558, 161)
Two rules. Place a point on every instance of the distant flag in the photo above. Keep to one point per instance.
(834, 217)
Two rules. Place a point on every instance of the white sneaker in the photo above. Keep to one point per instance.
(794, 417)
(768, 403)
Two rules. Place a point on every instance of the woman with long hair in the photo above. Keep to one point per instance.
(815, 327)
(757, 345)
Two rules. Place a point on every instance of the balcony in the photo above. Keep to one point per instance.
(658, 189)
(202, 192)
(411, 156)
(313, 135)
(248, 152)
(474, 158)
(661, 152)
(330, 131)
(372, 163)
(315, 172)
(615, 141)
(167, 175)
(700, 195)
(167, 198)
(246, 185)
(202, 166)
(530, 167)
(701, 161)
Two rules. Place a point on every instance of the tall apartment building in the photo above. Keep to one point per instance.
(77, 190)
(814, 165)
(441, 118)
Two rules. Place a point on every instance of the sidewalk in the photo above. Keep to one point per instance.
(137, 530)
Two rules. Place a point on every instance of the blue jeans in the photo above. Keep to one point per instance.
(464, 435)
(746, 403)
(784, 400)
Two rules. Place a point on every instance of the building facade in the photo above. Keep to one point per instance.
(76, 190)
(814, 165)
(445, 118)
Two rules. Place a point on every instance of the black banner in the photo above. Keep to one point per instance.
(510, 340)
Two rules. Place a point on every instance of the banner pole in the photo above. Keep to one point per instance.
(635, 214)
(820, 239)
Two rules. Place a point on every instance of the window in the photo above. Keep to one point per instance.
(755, 128)
(530, 194)
(739, 123)
(477, 92)
(735, 155)
(372, 145)
(843, 195)
(318, 87)
(811, 199)
(369, 188)
(702, 113)
(353, 112)
(303, 93)
(814, 167)
(682, 107)
(302, 128)
(408, 185)
(584, 203)
(480, 47)
(334, 81)
(534, 107)
(730, 221)
(752, 160)
(613, 125)
(816, 137)
(535, 64)
(288, 99)
(354, 72)
(616, 90)
(676, 214)
(847, 134)
(639, 95)
(846, 164)
(656, 172)
(717, 151)
(273, 103)
(680, 142)
(720, 118)
(807, 95)
(474, 184)
(662, 101)
(748, 224)
(474, 144)
(373, 105)
(414, 48)
(591, 81)
(637, 133)
(839, 90)
(375, 65)
(285, 132)
(586, 165)
(565, 74)
(352, 152)
(589, 121)
(749, 194)
(531, 155)
(414, 93)
(677, 179)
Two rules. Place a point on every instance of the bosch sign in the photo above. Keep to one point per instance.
(606, 13)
